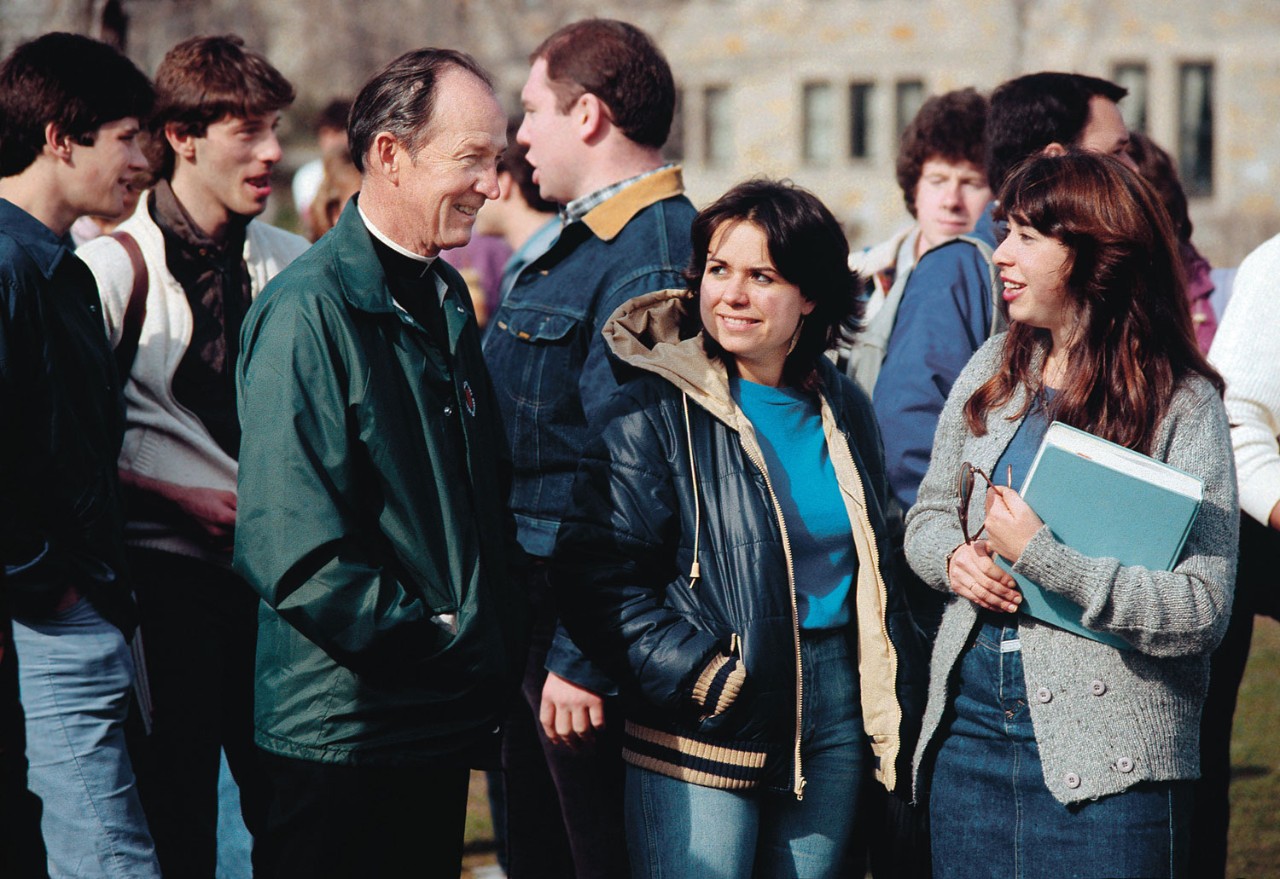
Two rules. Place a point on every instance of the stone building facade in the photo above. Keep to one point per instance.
(816, 90)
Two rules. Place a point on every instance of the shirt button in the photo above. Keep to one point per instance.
(1071, 780)
(1125, 764)
(461, 310)
(1044, 695)
(1098, 688)
(448, 410)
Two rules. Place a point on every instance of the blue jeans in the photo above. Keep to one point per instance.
(992, 815)
(676, 829)
(75, 671)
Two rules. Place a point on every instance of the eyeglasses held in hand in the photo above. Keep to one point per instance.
(964, 493)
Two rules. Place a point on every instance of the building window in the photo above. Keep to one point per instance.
(908, 96)
(860, 120)
(819, 125)
(1134, 107)
(673, 150)
(1195, 128)
(717, 131)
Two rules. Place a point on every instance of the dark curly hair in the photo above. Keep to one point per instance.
(1135, 337)
(807, 247)
(951, 128)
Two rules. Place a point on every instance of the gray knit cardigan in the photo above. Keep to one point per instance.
(1105, 719)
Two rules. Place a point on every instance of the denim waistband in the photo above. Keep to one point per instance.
(998, 630)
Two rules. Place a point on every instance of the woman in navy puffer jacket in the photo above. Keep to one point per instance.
(726, 556)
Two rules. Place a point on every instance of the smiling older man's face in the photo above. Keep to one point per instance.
(455, 170)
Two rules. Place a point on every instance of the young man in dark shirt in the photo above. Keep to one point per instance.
(69, 118)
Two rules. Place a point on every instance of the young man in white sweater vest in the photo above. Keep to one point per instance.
(199, 260)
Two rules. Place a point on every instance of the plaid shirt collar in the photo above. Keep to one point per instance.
(580, 207)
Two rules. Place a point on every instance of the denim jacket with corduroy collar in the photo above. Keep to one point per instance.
(544, 347)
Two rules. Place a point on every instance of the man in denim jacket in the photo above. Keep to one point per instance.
(598, 107)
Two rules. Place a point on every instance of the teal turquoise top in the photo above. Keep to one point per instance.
(788, 425)
(1021, 451)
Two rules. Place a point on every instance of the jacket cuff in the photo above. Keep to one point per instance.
(719, 684)
(566, 660)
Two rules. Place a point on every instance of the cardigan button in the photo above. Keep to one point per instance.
(1098, 688)
(1044, 694)
(1071, 780)
(1125, 764)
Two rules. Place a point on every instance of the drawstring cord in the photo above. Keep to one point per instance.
(695, 572)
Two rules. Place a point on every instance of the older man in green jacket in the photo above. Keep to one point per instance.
(373, 498)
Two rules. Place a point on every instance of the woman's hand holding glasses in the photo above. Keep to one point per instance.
(1010, 523)
(971, 571)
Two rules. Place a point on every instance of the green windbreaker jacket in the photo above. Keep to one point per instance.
(393, 626)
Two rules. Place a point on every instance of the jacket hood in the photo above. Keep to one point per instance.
(645, 333)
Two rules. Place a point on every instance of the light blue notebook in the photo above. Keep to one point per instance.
(1105, 501)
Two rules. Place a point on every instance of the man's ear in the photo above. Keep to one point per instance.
(56, 142)
(1054, 149)
(592, 117)
(182, 142)
(386, 155)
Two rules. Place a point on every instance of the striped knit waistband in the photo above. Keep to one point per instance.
(688, 759)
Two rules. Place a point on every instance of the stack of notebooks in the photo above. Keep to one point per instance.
(1105, 501)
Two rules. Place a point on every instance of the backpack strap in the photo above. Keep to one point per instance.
(136, 311)
(999, 323)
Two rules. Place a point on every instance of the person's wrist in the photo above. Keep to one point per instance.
(946, 565)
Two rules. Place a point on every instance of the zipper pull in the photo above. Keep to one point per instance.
(800, 784)
(695, 574)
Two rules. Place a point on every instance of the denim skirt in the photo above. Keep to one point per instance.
(990, 812)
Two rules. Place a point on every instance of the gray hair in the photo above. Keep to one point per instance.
(402, 97)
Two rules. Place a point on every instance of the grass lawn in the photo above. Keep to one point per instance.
(1255, 761)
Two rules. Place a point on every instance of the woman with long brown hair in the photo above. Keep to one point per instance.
(1046, 752)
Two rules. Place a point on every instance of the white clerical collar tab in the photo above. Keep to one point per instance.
(377, 233)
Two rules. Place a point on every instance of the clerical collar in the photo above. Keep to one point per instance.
(425, 261)
(377, 233)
